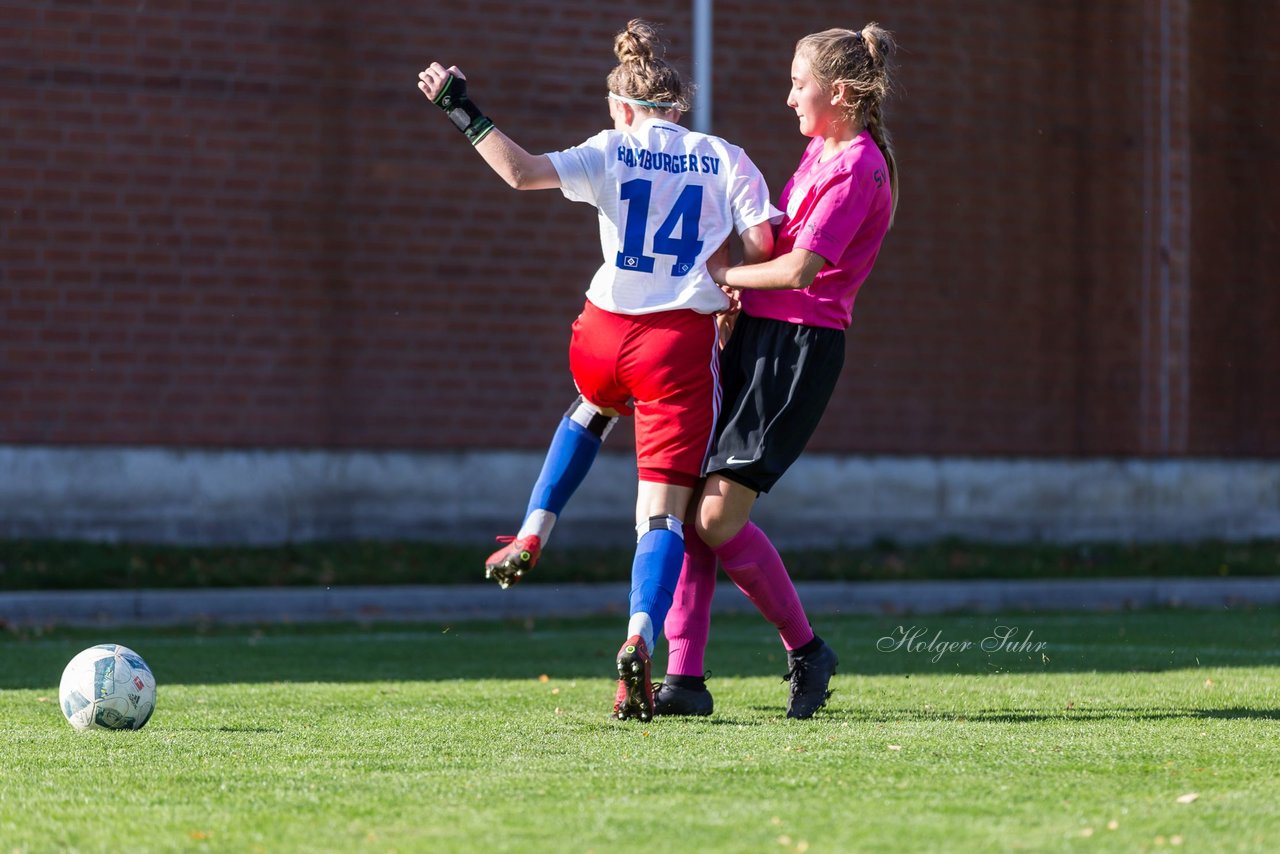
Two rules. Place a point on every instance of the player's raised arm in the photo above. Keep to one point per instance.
(447, 89)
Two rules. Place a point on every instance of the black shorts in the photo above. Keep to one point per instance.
(777, 379)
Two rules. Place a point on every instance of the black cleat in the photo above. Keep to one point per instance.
(809, 676)
(675, 700)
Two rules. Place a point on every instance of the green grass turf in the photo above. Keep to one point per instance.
(57, 565)
(448, 738)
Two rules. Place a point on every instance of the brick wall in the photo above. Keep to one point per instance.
(235, 224)
(1235, 349)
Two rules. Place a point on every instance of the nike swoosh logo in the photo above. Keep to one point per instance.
(736, 461)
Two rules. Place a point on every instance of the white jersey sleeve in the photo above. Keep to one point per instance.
(667, 199)
(581, 169)
(749, 196)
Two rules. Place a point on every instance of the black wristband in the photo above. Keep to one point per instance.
(462, 111)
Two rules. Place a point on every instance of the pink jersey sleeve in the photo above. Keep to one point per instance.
(840, 208)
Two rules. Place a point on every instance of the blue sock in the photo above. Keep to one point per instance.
(573, 450)
(654, 574)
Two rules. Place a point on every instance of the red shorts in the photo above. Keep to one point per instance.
(669, 364)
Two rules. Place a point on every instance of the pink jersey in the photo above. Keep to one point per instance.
(840, 210)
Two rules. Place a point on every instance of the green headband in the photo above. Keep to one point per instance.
(665, 105)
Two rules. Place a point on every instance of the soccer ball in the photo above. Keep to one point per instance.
(107, 686)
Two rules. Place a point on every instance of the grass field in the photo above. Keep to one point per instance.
(1125, 732)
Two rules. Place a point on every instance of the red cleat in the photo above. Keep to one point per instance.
(635, 690)
(508, 564)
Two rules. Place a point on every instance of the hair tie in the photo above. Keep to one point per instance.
(665, 105)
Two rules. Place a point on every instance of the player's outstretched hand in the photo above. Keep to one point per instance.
(432, 79)
(735, 299)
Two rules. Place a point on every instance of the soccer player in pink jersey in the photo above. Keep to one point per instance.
(784, 357)
(647, 338)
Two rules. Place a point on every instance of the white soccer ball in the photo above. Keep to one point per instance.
(107, 686)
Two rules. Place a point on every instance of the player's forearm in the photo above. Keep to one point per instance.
(796, 269)
(517, 167)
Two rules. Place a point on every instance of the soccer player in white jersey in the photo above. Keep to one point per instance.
(646, 340)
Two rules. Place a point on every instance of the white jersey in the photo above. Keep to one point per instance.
(668, 198)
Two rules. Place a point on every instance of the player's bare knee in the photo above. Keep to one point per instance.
(714, 527)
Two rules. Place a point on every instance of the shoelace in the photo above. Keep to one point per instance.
(507, 540)
(796, 675)
(799, 670)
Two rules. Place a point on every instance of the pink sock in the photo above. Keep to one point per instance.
(755, 566)
(689, 621)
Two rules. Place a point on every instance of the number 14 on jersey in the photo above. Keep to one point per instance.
(684, 216)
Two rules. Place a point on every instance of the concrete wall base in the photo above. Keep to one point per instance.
(275, 496)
